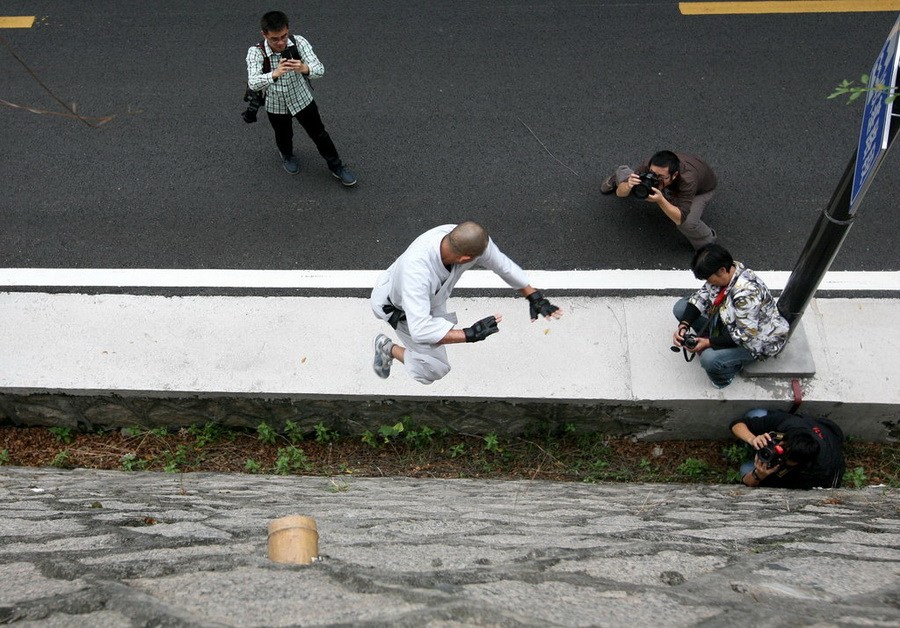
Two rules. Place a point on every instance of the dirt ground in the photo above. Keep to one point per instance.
(422, 453)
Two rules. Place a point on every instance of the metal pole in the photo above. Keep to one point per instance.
(824, 242)
(819, 251)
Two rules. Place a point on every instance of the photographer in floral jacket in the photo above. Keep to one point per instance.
(733, 317)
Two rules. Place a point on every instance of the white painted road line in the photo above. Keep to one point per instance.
(847, 281)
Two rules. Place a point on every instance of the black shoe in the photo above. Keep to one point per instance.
(345, 175)
(609, 186)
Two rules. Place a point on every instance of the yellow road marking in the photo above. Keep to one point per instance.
(787, 6)
(17, 21)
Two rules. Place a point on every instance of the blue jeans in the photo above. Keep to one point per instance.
(721, 365)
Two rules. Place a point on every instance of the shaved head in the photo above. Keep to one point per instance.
(468, 238)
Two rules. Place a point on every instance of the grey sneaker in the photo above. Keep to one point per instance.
(383, 358)
(345, 175)
(290, 164)
(608, 186)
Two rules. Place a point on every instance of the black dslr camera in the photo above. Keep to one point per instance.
(689, 341)
(254, 101)
(772, 454)
(649, 180)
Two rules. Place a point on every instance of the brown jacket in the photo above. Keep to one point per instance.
(695, 177)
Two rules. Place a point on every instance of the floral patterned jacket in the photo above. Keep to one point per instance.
(748, 312)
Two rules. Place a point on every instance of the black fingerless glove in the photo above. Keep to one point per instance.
(482, 329)
(537, 304)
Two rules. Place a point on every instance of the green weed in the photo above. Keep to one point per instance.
(131, 462)
(736, 453)
(323, 434)
(390, 432)
(209, 433)
(421, 437)
(290, 459)
(293, 432)
(266, 434)
(62, 434)
(176, 461)
(733, 476)
(4, 457)
(369, 439)
(251, 466)
(596, 471)
(693, 467)
(457, 450)
(62, 460)
(855, 477)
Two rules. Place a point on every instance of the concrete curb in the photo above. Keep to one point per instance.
(607, 352)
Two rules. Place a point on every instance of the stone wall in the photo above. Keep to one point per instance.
(348, 416)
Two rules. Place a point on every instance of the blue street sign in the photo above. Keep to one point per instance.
(873, 136)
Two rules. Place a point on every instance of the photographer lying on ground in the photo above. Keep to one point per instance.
(733, 317)
(681, 185)
(792, 451)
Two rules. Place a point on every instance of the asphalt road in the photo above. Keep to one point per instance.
(509, 113)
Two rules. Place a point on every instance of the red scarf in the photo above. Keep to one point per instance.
(719, 298)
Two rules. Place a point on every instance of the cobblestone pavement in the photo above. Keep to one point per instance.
(105, 548)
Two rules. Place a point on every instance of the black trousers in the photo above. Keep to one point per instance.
(309, 119)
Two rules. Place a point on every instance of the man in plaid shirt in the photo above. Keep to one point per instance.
(291, 64)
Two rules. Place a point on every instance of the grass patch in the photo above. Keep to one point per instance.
(403, 448)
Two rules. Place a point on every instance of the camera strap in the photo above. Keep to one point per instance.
(707, 326)
(267, 63)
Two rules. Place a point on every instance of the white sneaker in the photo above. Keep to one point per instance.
(383, 360)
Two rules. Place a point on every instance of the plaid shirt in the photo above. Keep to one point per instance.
(291, 92)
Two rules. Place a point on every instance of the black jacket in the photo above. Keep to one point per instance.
(828, 469)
